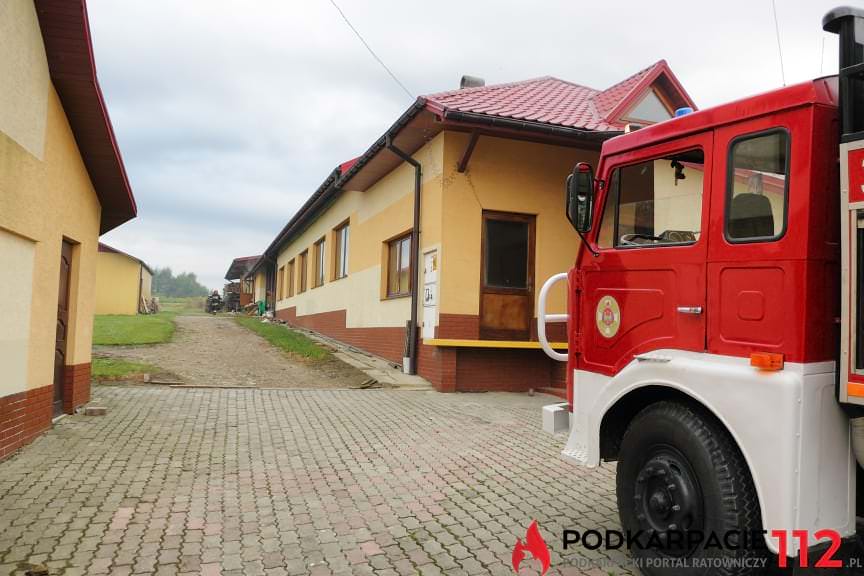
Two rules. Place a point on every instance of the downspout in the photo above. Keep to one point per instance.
(415, 254)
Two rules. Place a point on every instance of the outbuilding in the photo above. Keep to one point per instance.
(239, 292)
(124, 283)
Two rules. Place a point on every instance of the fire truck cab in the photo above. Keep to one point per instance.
(710, 351)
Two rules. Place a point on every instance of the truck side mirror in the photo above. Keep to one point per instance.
(580, 197)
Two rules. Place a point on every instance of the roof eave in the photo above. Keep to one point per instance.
(69, 50)
(529, 126)
(418, 106)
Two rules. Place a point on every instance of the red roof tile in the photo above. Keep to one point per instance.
(553, 101)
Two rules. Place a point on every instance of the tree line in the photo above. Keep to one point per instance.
(183, 285)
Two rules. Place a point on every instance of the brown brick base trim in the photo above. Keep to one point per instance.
(448, 369)
(76, 387)
(387, 343)
(23, 416)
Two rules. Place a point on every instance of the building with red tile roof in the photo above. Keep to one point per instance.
(427, 249)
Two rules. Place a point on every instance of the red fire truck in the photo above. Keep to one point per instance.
(716, 331)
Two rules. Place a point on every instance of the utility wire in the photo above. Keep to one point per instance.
(369, 48)
(779, 46)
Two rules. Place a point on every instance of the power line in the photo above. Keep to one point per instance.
(779, 46)
(369, 48)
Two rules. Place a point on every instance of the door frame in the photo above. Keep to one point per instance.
(501, 334)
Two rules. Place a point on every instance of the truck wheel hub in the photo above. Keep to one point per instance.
(667, 496)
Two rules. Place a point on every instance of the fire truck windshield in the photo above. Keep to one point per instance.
(656, 202)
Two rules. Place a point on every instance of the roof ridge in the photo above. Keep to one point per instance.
(641, 72)
(473, 89)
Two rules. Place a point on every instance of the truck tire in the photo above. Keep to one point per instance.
(681, 474)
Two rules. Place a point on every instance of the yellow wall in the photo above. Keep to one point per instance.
(383, 211)
(509, 176)
(504, 175)
(117, 283)
(146, 284)
(42, 200)
(26, 81)
(259, 292)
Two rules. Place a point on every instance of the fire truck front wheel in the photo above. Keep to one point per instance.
(686, 495)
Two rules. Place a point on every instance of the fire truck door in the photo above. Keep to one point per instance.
(646, 289)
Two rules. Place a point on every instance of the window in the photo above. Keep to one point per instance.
(319, 263)
(290, 280)
(650, 109)
(247, 285)
(506, 257)
(655, 203)
(399, 266)
(280, 285)
(340, 251)
(757, 187)
(303, 257)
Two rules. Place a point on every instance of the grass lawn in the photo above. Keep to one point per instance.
(288, 340)
(113, 368)
(112, 330)
(192, 306)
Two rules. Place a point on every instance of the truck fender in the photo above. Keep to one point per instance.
(791, 431)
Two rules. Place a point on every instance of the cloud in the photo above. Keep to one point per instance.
(229, 113)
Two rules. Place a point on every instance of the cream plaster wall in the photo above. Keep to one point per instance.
(16, 255)
(25, 79)
(118, 279)
(46, 200)
(509, 176)
(382, 212)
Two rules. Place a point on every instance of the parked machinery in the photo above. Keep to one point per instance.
(715, 322)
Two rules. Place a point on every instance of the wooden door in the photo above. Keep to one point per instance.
(507, 276)
(62, 325)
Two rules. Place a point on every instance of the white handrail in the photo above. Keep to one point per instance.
(543, 318)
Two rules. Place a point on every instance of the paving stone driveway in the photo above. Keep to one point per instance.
(297, 482)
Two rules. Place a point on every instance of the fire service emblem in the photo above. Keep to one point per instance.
(608, 316)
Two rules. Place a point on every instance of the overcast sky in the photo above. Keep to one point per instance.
(229, 113)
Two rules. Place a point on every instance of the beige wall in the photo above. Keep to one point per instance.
(260, 290)
(504, 175)
(380, 213)
(509, 176)
(16, 256)
(44, 199)
(118, 278)
(146, 284)
(24, 70)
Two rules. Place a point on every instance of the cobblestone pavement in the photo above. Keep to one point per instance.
(233, 481)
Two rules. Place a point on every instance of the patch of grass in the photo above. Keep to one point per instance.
(114, 368)
(192, 306)
(115, 330)
(288, 340)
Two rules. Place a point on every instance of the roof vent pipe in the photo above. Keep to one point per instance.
(471, 82)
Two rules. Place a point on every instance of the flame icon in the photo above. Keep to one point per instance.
(534, 544)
